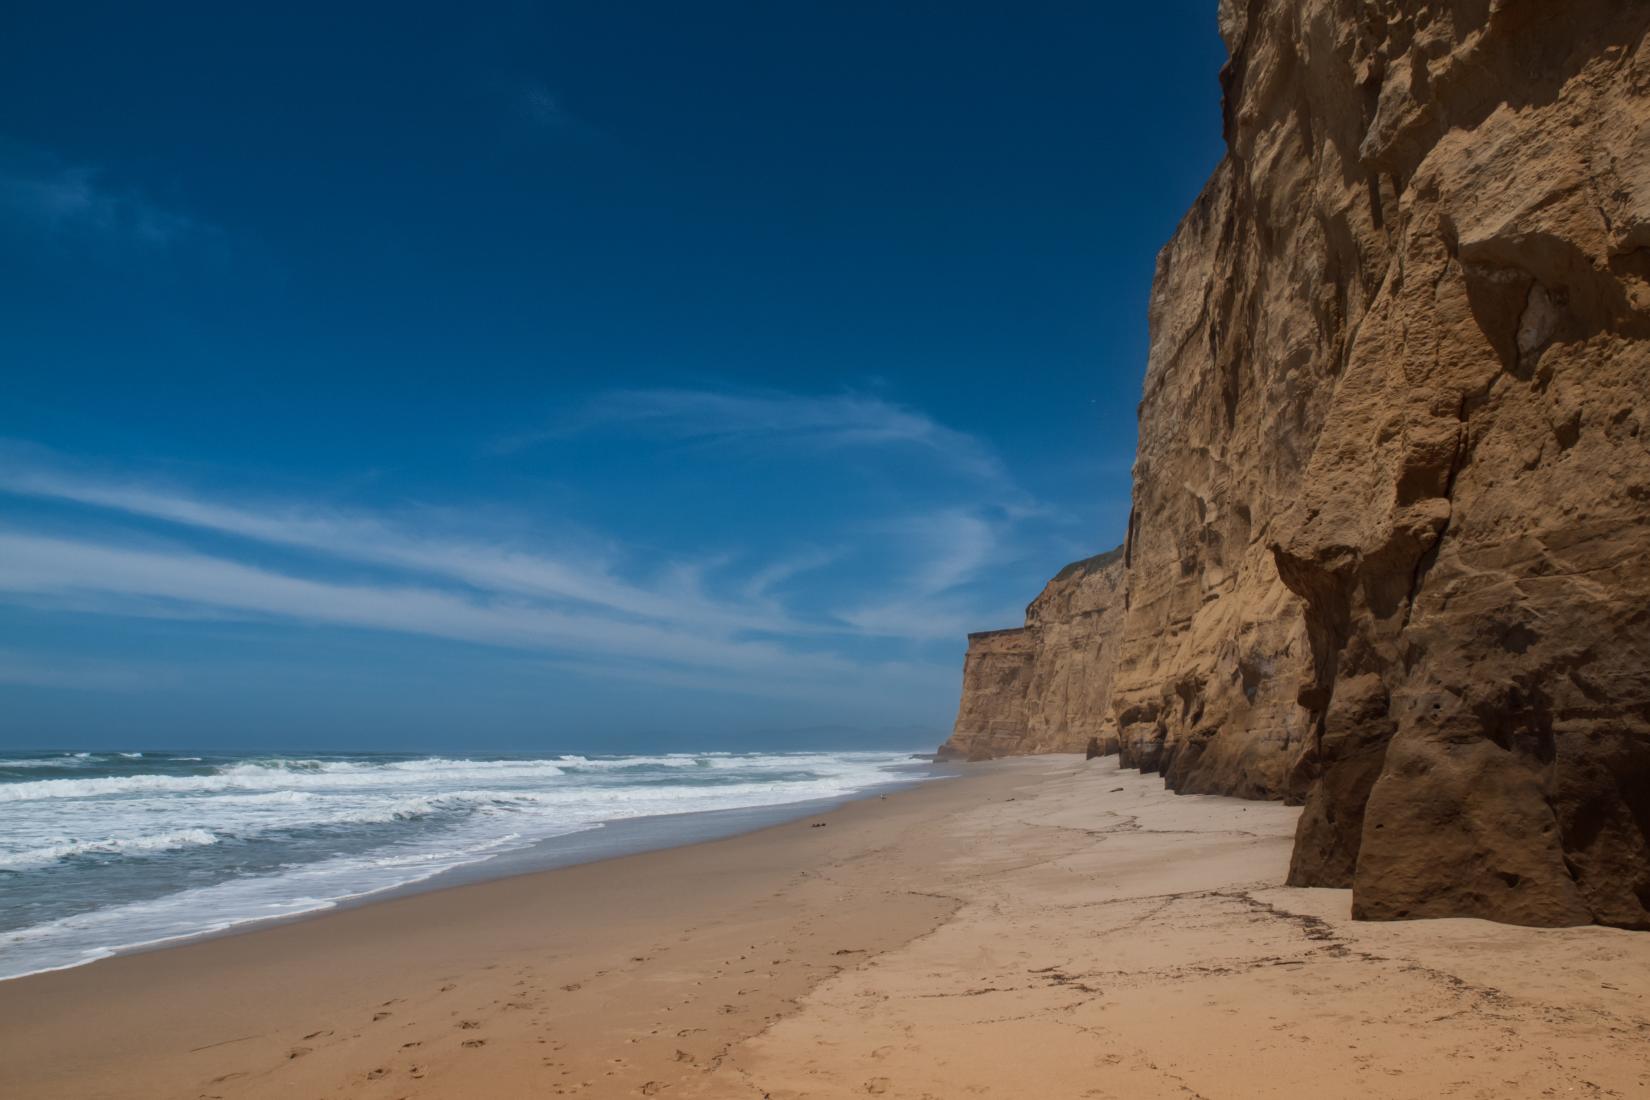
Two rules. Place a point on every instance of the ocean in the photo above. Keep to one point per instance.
(107, 851)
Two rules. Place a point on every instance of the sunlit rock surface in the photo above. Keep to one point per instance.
(1390, 547)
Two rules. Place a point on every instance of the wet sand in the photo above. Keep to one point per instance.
(1039, 928)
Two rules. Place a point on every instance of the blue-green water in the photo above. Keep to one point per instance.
(102, 851)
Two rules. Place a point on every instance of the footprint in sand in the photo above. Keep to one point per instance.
(297, 1052)
(376, 1016)
(375, 1074)
(473, 1043)
(318, 1034)
(469, 1025)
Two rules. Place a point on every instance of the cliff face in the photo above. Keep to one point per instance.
(1046, 686)
(1390, 546)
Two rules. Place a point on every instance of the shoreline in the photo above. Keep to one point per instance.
(598, 840)
(628, 836)
(43, 1016)
(1139, 942)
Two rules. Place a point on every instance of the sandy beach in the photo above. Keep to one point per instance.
(1041, 927)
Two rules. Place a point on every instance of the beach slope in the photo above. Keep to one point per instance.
(1042, 927)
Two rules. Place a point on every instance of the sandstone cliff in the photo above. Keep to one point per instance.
(1045, 687)
(1390, 547)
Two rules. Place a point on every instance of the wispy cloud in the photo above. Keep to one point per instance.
(828, 421)
(41, 193)
(131, 581)
(128, 576)
(130, 544)
(543, 107)
(760, 586)
(951, 549)
(440, 587)
(948, 547)
(494, 568)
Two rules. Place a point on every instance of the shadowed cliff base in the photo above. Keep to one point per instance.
(1389, 552)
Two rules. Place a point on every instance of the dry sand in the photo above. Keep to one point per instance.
(1041, 928)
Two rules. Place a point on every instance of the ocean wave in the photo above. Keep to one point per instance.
(262, 798)
(726, 761)
(443, 764)
(68, 849)
(66, 759)
(255, 777)
(96, 934)
(412, 809)
(256, 817)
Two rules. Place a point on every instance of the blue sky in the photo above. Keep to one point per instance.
(596, 376)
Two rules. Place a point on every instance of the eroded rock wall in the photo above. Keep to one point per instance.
(991, 718)
(1045, 687)
(1389, 552)
(1471, 542)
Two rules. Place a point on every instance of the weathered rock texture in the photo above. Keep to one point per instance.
(1045, 687)
(1390, 546)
